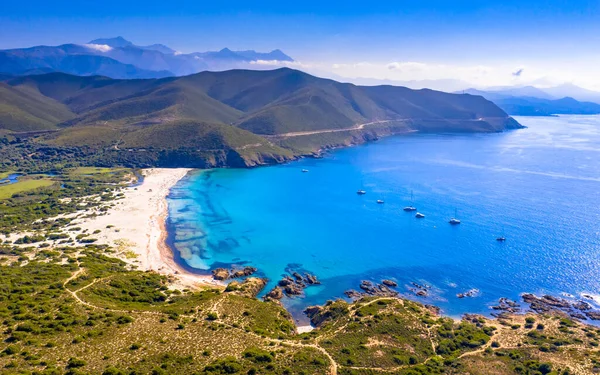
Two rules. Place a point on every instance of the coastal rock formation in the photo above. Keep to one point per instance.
(389, 283)
(371, 289)
(220, 274)
(331, 310)
(275, 293)
(234, 273)
(250, 287)
(294, 285)
(549, 304)
(469, 293)
(246, 271)
(506, 305)
(420, 290)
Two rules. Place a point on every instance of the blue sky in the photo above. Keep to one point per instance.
(485, 41)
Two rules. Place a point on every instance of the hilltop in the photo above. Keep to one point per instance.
(231, 118)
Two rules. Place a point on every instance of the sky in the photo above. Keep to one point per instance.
(483, 43)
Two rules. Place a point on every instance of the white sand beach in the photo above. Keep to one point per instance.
(135, 227)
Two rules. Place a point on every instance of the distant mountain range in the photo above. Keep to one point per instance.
(531, 101)
(236, 117)
(121, 59)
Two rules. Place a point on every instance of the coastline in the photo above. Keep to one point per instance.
(136, 227)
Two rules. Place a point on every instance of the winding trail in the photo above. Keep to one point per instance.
(312, 132)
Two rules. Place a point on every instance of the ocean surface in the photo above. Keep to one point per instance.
(539, 187)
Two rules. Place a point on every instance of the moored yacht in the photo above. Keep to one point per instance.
(361, 192)
(419, 215)
(410, 208)
(379, 201)
(304, 170)
(454, 220)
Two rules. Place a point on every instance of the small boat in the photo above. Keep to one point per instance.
(501, 238)
(454, 220)
(361, 192)
(419, 215)
(304, 170)
(410, 208)
(379, 201)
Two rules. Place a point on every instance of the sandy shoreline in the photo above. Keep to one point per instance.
(136, 227)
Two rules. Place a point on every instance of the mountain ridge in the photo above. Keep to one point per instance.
(120, 58)
(274, 115)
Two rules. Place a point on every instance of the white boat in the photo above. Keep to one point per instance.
(419, 215)
(304, 170)
(410, 208)
(454, 220)
(361, 192)
(379, 201)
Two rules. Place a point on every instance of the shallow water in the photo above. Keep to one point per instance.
(539, 186)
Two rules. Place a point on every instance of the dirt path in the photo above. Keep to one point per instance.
(312, 132)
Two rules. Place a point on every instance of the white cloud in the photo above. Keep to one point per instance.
(99, 47)
(277, 63)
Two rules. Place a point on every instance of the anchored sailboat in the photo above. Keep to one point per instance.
(410, 208)
(454, 220)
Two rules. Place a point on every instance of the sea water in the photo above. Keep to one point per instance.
(539, 187)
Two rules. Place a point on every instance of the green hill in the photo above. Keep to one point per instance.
(285, 111)
(24, 110)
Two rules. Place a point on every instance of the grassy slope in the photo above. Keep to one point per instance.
(27, 110)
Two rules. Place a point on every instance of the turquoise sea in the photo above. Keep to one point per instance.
(539, 186)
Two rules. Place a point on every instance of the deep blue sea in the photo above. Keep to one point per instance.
(539, 186)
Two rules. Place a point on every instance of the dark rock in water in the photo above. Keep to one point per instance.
(297, 276)
(366, 285)
(312, 279)
(507, 305)
(353, 294)
(220, 274)
(292, 290)
(390, 283)
(470, 293)
(286, 281)
(420, 290)
(587, 296)
(549, 304)
(246, 271)
(275, 293)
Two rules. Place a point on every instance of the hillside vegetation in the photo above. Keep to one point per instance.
(217, 113)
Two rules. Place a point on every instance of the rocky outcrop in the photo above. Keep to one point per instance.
(506, 305)
(420, 290)
(371, 289)
(580, 310)
(234, 273)
(468, 294)
(220, 274)
(294, 284)
(250, 287)
(390, 283)
(331, 310)
(275, 293)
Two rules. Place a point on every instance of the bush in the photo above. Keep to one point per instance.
(75, 363)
